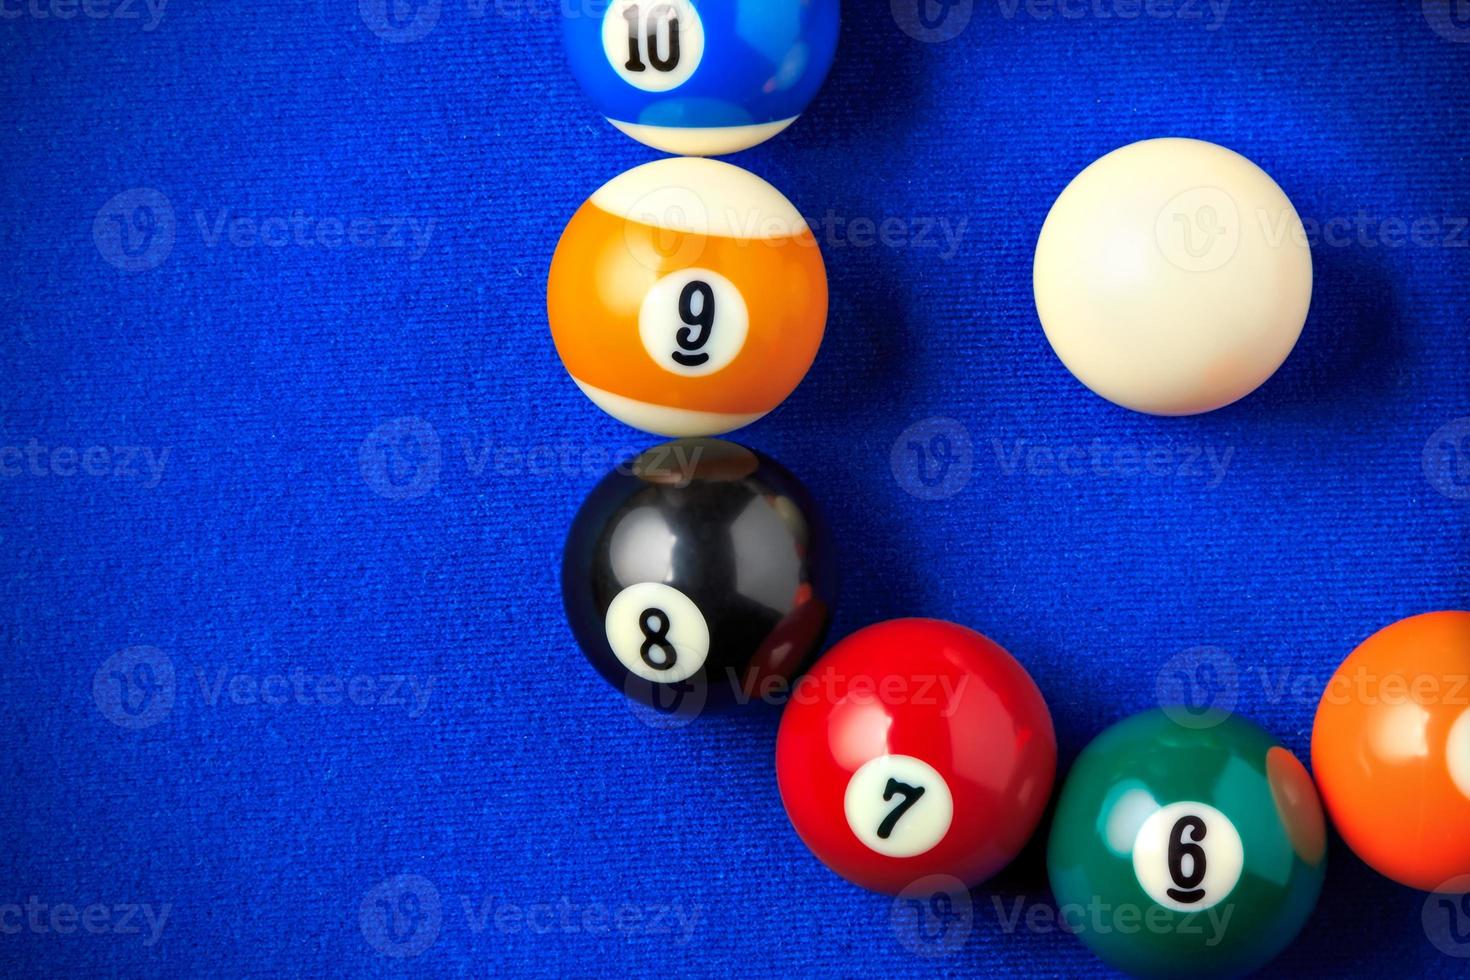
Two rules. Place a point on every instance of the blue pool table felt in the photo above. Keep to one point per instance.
(333, 443)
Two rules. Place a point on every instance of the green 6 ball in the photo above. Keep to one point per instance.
(1186, 847)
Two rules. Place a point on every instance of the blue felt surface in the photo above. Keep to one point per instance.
(294, 526)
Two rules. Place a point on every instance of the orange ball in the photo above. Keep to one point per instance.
(1391, 750)
(687, 297)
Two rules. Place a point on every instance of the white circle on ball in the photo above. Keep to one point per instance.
(1188, 856)
(898, 805)
(653, 45)
(693, 322)
(657, 632)
(1457, 752)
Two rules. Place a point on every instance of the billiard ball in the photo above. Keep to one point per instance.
(1186, 851)
(702, 77)
(1391, 749)
(698, 575)
(687, 297)
(1172, 276)
(915, 748)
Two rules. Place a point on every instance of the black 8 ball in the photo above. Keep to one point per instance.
(698, 575)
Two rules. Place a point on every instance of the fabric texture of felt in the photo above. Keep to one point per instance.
(288, 458)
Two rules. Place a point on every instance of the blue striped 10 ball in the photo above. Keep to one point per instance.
(702, 77)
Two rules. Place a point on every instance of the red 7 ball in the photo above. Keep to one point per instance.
(914, 748)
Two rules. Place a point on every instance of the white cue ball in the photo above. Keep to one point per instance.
(1173, 276)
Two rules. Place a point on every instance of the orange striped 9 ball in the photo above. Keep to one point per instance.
(687, 297)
